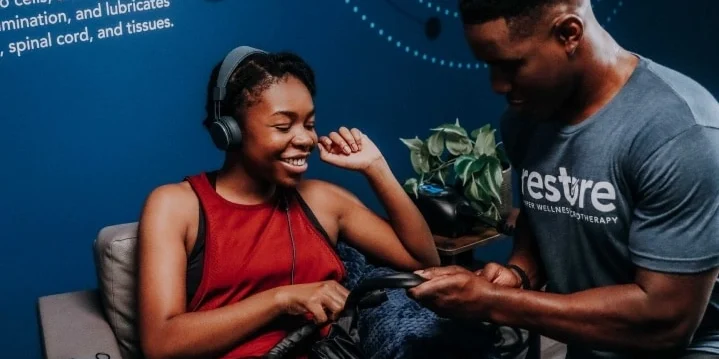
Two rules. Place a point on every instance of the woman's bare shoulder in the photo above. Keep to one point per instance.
(177, 197)
(315, 189)
(172, 206)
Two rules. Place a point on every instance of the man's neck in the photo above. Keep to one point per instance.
(608, 68)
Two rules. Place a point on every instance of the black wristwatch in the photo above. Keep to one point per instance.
(522, 275)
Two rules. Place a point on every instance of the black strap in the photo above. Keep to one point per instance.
(196, 259)
(347, 320)
(526, 284)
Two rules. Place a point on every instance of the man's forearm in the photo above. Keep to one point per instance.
(405, 218)
(604, 318)
(525, 254)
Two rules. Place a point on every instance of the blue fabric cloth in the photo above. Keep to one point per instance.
(401, 328)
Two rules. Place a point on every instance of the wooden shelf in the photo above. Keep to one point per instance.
(448, 247)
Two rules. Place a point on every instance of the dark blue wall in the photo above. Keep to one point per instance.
(87, 130)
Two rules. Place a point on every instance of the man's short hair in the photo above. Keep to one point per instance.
(521, 15)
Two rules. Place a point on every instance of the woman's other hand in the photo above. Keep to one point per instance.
(322, 301)
(350, 149)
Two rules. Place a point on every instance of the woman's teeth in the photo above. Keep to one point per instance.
(296, 161)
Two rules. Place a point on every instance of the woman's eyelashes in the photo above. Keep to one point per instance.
(285, 127)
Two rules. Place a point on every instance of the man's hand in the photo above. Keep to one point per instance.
(454, 292)
(500, 275)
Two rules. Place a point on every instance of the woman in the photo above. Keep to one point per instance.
(234, 259)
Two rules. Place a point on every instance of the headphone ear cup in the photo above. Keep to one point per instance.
(226, 133)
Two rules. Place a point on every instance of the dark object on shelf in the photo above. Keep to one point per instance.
(449, 214)
(440, 208)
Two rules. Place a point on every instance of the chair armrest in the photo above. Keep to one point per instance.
(73, 326)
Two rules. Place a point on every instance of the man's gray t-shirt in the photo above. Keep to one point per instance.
(636, 184)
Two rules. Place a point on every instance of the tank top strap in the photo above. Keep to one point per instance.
(204, 190)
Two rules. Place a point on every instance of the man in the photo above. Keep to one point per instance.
(619, 164)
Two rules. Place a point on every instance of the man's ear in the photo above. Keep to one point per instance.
(568, 30)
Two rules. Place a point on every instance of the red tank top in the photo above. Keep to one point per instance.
(248, 249)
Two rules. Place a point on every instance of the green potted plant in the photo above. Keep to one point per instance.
(473, 164)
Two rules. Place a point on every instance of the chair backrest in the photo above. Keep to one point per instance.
(116, 263)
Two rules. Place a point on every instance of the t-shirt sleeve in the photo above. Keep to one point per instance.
(675, 224)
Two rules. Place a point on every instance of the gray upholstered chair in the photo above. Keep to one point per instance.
(84, 323)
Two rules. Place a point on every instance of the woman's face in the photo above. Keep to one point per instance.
(279, 132)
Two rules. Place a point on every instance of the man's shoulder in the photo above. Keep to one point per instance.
(666, 93)
(663, 104)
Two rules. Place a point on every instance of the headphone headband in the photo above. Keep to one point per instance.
(225, 131)
(232, 60)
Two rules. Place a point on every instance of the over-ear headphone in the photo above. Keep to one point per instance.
(225, 130)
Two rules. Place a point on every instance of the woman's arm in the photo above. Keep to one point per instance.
(405, 222)
(404, 239)
(166, 329)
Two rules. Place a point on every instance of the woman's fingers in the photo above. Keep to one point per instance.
(318, 312)
(339, 142)
(343, 140)
(349, 138)
(357, 134)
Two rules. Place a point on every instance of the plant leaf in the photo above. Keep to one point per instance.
(482, 129)
(410, 186)
(461, 166)
(451, 128)
(488, 185)
(495, 169)
(473, 192)
(493, 212)
(434, 162)
(485, 144)
(442, 175)
(477, 193)
(468, 167)
(414, 144)
(478, 165)
(458, 145)
(420, 161)
(484, 191)
(435, 144)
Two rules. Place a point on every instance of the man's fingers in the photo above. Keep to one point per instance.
(432, 287)
(491, 271)
(499, 274)
(434, 272)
